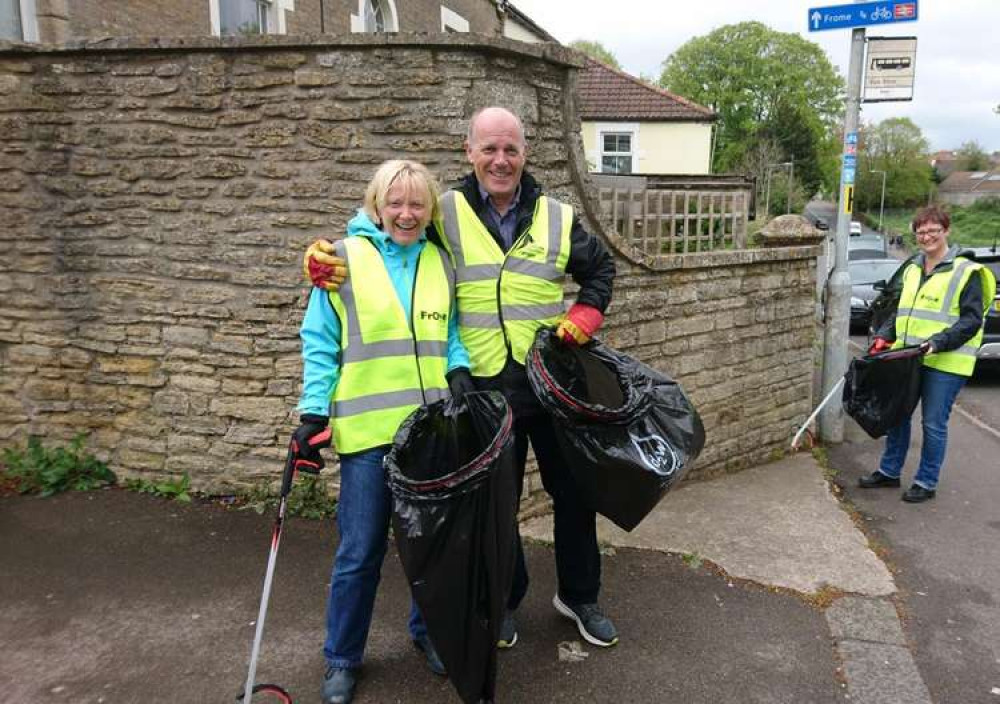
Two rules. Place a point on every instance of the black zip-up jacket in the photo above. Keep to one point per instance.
(590, 265)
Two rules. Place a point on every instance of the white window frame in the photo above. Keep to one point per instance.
(276, 23)
(388, 12)
(451, 21)
(29, 20)
(629, 128)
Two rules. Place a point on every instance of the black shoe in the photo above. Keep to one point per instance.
(508, 631)
(338, 685)
(594, 626)
(433, 659)
(877, 479)
(916, 494)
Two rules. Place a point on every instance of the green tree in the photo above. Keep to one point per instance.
(766, 86)
(972, 157)
(596, 50)
(898, 147)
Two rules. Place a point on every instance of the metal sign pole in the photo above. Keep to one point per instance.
(838, 299)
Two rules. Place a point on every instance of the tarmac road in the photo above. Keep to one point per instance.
(116, 597)
(945, 552)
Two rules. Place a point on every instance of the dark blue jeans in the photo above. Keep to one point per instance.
(938, 391)
(363, 521)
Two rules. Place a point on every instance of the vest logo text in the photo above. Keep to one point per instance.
(432, 315)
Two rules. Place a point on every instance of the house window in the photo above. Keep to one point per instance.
(616, 152)
(375, 16)
(17, 20)
(451, 21)
(242, 17)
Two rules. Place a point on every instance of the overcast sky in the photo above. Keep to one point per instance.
(958, 50)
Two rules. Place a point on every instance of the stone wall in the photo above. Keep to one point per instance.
(156, 199)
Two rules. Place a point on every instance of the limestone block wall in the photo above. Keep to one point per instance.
(156, 196)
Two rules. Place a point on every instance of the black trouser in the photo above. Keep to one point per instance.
(578, 561)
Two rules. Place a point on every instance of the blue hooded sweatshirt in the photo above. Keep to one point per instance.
(321, 330)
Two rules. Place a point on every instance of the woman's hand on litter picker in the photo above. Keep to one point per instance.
(309, 438)
(879, 344)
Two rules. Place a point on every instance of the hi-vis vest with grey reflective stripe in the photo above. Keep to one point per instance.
(933, 307)
(387, 368)
(504, 299)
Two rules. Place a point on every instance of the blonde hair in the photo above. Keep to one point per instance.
(410, 175)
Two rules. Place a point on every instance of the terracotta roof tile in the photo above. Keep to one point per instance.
(605, 93)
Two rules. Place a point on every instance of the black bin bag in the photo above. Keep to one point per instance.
(881, 390)
(627, 431)
(454, 491)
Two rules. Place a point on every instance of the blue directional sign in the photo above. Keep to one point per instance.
(861, 14)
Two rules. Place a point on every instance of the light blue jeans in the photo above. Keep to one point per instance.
(938, 391)
(363, 521)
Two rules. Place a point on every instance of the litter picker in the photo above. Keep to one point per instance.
(250, 689)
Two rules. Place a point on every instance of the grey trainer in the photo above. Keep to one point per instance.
(594, 626)
(338, 685)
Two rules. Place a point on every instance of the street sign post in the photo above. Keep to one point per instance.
(861, 14)
(836, 326)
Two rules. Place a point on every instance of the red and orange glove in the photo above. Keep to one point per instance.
(322, 268)
(580, 324)
(879, 344)
(308, 439)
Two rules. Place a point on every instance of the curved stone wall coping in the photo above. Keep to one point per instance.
(735, 257)
(423, 40)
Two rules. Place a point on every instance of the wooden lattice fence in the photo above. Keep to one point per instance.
(678, 215)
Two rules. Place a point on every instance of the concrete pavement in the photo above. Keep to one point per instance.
(756, 587)
(944, 552)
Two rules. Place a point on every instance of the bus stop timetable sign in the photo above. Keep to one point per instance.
(889, 68)
(861, 14)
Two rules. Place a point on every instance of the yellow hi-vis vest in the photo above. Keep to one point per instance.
(503, 299)
(388, 365)
(933, 307)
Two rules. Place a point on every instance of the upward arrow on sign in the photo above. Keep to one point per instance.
(815, 17)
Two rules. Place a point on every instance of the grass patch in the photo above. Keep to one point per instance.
(49, 470)
(177, 489)
(310, 497)
(692, 560)
(824, 596)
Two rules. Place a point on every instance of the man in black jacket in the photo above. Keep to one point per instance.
(503, 198)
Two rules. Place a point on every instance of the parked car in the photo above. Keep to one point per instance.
(821, 224)
(856, 228)
(989, 351)
(867, 247)
(889, 291)
(868, 277)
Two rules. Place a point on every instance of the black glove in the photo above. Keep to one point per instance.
(927, 347)
(460, 383)
(308, 439)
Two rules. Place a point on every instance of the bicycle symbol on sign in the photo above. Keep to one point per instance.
(881, 13)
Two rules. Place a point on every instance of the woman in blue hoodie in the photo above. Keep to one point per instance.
(374, 351)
